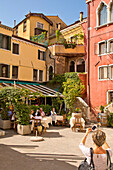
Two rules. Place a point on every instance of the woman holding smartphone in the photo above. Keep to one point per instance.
(99, 149)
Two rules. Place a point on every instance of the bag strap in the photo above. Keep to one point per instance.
(108, 159)
(91, 162)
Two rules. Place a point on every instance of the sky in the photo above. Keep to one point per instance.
(67, 10)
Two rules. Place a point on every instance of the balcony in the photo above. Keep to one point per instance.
(41, 39)
(61, 50)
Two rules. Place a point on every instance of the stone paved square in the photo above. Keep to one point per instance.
(58, 151)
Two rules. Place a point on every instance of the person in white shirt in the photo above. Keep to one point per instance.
(31, 116)
(42, 112)
(53, 113)
(99, 149)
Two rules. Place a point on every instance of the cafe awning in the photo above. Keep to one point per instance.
(32, 86)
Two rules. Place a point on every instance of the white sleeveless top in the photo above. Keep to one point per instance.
(100, 160)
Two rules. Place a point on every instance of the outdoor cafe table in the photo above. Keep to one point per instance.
(57, 118)
(72, 121)
(45, 121)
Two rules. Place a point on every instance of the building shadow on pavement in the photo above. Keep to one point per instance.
(13, 160)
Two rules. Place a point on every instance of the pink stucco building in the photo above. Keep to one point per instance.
(100, 52)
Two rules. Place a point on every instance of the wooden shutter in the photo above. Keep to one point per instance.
(39, 54)
(8, 71)
(44, 56)
(1, 40)
(9, 43)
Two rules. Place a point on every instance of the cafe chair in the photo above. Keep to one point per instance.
(78, 123)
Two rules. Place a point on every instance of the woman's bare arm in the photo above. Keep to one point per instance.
(84, 138)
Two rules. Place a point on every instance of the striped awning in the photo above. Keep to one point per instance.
(33, 87)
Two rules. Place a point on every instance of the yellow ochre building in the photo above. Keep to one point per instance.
(28, 51)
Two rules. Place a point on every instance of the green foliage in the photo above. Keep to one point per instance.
(79, 36)
(102, 109)
(72, 88)
(22, 114)
(77, 110)
(10, 96)
(110, 120)
(57, 103)
(57, 35)
(46, 108)
(35, 108)
(58, 80)
(69, 45)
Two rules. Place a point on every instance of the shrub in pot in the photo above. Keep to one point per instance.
(23, 118)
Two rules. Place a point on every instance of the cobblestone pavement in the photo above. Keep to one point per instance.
(58, 151)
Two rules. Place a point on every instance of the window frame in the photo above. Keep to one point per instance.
(8, 71)
(13, 48)
(39, 25)
(42, 76)
(109, 72)
(99, 48)
(12, 72)
(36, 76)
(24, 26)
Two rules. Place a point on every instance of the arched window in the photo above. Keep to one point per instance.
(72, 66)
(111, 12)
(81, 65)
(103, 14)
(50, 73)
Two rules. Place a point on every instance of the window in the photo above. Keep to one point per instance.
(111, 72)
(103, 72)
(4, 70)
(15, 72)
(5, 42)
(41, 55)
(16, 30)
(40, 75)
(111, 46)
(103, 14)
(106, 72)
(39, 25)
(35, 74)
(109, 97)
(24, 26)
(111, 12)
(15, 48)
(102, 48)
(57, 25)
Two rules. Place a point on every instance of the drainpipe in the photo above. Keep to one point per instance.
(88, 49)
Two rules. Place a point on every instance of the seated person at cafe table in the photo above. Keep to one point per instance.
(42, 112)
(37, 113)
(31, 116)
(53, 113)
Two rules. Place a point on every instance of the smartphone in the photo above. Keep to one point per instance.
(94, 127)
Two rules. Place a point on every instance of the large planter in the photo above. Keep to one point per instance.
(104, 119)
(23, 129)
(5, 124)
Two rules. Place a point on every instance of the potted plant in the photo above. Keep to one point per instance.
(102, 109)
(23, 118)
(103, 116)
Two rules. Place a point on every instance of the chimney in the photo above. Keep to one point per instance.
(81, 16)
(14, 23)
